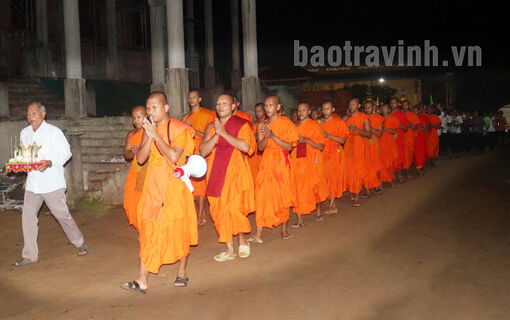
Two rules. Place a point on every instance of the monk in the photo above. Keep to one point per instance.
(293, 116)
(420, 150)
(400, 115)
(240, 113)
(335, 131)
(410, 135)
(273, 191)
(355, 162)
(388, 144)
(167, 217)
(373, 152)
(432, 136)
(198, 118)
(136, 175)
(227, 144)
(308, 167)
(255, 158)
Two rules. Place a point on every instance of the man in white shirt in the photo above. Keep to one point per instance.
(47, 184)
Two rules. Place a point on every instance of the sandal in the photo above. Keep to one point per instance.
(251, 239)
(319, 219)
(222, 257)
(202, 222)
(356, 204)
(297, 226)
(330, 212)
(133, 287)
(244, 251)
(83, 250)
(378, 192)
(287, 236)
(24, 262)
(181, 282)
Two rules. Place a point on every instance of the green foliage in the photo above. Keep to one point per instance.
(95, 206)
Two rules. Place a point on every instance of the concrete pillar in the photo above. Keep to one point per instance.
(157, 21)
(210, 74)
(74, 85)
(41, 10)
(177, 84)
(90, 99)
(112, 64)
(250, 83)
(44, 65)
(74, 170)
(236, 64)
(192, 56)
(4, 100)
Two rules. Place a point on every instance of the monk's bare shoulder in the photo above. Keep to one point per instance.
(186, 116)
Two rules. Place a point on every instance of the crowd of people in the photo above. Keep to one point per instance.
(271, 166)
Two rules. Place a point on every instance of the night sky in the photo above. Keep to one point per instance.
(444, 23)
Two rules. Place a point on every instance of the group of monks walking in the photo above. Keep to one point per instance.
(270, 166)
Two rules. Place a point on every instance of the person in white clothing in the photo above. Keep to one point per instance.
(47, 184)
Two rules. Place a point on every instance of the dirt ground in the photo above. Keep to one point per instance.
(437, 247)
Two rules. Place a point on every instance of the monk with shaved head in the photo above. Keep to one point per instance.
(167, 218)
(136, 175)
(198, 118)
(227, 144)
(359, 128)
(273, 190)
(238, 112)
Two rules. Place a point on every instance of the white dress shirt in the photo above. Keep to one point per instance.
(54, 147)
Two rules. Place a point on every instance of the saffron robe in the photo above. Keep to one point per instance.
(133, 187)
(237, 198)
(334, 156)
(199, 121)
(166, 212)
(308, 169)
(373, 155)
(273, 189)
(354, 148)
(409, 137)
(389, 149)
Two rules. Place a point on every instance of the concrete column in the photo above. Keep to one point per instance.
(41, 10)
(112, 64)
(210, 74)
(74, 170)
(250, 83)
(74, 85)
(90, 99)
(192, 56)
(4, 100)
(236, 64)
(157, 44)
(177, 84)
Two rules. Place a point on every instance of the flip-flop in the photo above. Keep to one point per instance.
(223, 256)
(83, 250)
(287, 237)
(319, 219)
(250, 239)
(244, 251)
(297, 226)
(330, 212)
(181, 282)
(24, 262)
(133, 286)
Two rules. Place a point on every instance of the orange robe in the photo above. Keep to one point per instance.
(273, 189)
(244, 115)
(333, 153)
(237, 198)
(433, 137)
(254, 159)
(354, 148)
(420, 153)
(132, 193)
(401, 160)
(308, 168)
(409, 137)
(389, 149)
(166, 212)
(373, 155)
(199, 121)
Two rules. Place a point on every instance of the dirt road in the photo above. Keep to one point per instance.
(437, 247)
